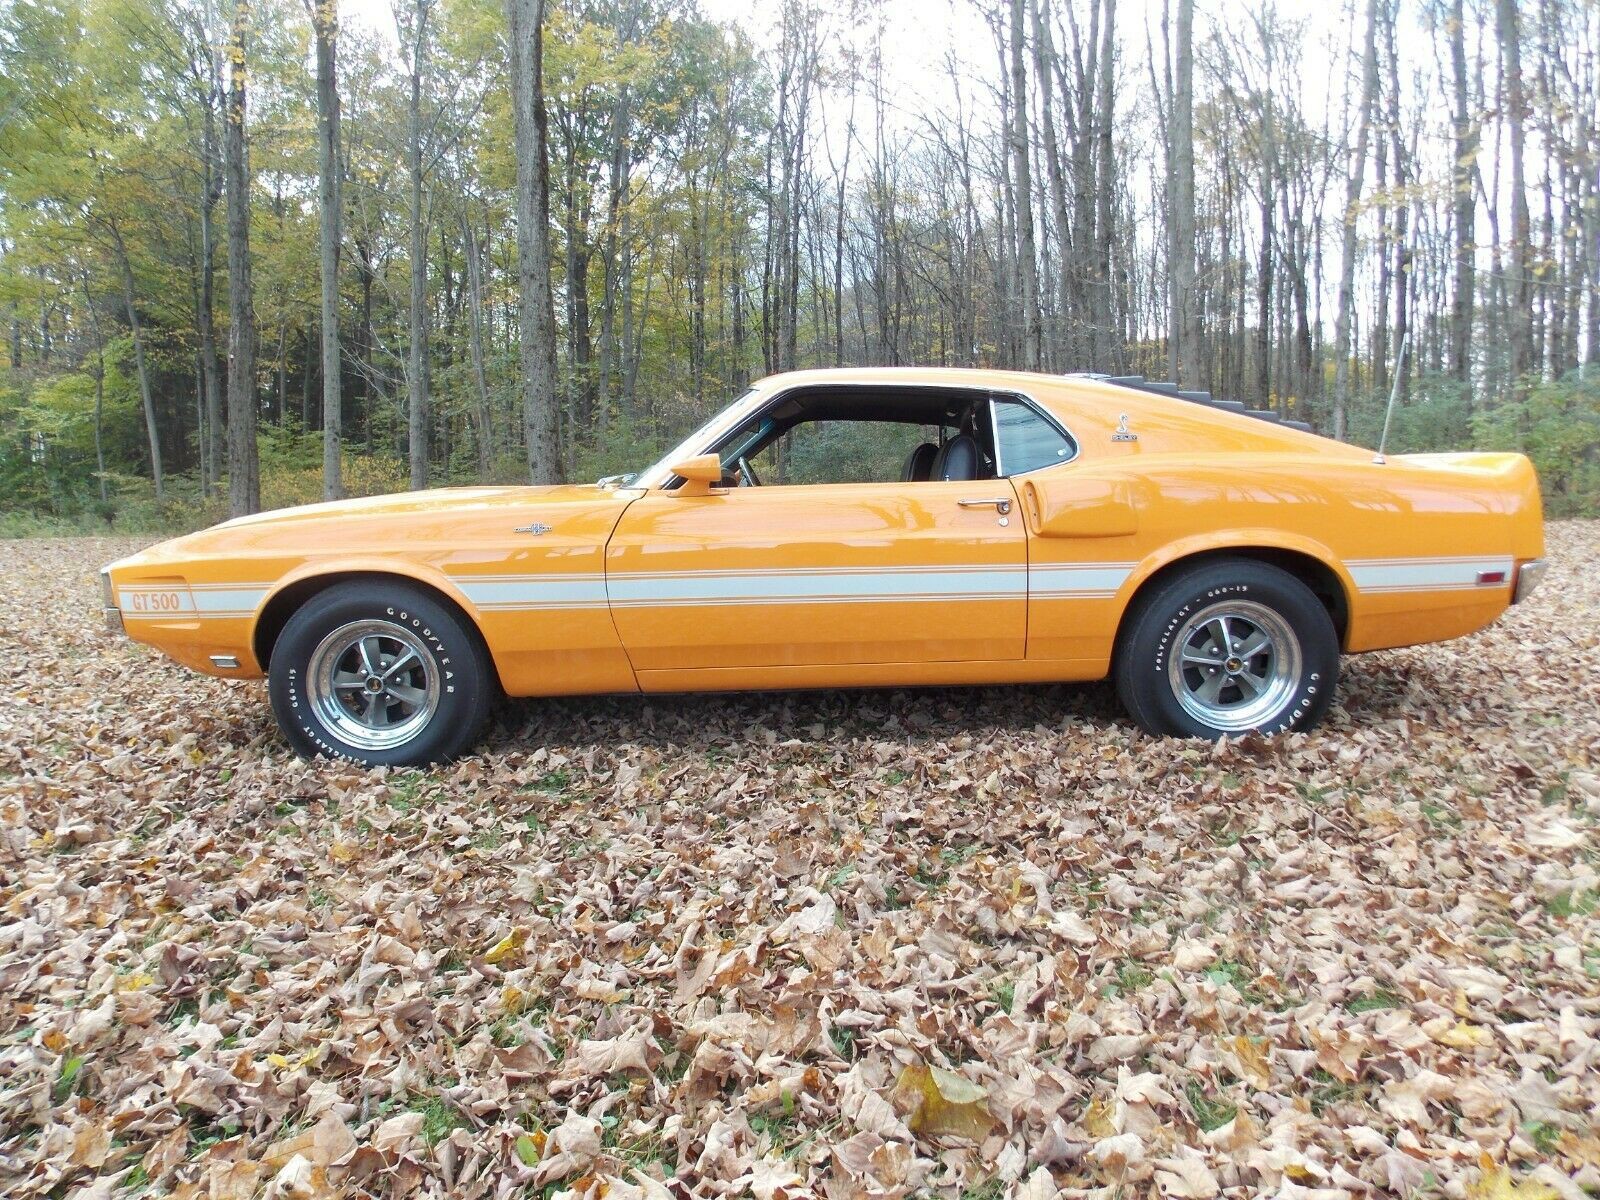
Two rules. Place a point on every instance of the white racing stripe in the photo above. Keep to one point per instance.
(167, 601)
(842, 586)
(1377, 575)
(1079, 581)
(505, 593)
(801, 585)
(228, 599)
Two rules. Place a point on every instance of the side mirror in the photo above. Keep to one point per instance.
(698, 474)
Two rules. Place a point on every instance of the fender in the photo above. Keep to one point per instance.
(417, 572)
(1237, 539)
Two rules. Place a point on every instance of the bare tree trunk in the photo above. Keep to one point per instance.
(1069, 354)
(417, 356)
(1520, 300)
(136, 330)
(325, 20)
(211, 372)
(1027, 254)
(540, 404)
(617, 196)
(1265, 269)
(99, 387)
(838, 228)
(1465, 202)
(244, 478)
(1108, 343)
(483, 422)
(1401, 273)
(1185, 325)
(1350, 217)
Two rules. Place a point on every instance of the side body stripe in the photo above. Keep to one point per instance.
(1381, 575)
(841, 585)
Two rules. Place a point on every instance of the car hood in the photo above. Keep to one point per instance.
(445, 523)
(437, 500)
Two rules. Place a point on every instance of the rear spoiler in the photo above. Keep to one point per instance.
(1204, 399)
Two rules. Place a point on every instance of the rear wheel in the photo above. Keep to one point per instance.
(1228, 647)
(381, 673)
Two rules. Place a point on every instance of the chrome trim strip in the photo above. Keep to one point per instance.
(994, 433)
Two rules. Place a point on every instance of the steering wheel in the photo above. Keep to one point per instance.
(747, 476)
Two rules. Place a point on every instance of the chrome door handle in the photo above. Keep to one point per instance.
(1002, 504)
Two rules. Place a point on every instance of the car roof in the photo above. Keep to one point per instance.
(1114, 389)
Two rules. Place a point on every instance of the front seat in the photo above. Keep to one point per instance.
(958, 459)
(919, 464)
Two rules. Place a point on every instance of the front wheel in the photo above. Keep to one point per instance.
(1225, 648)
(381, 673)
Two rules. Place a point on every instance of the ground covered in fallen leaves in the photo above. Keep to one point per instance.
(974, 943)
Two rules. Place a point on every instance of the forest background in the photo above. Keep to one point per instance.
(252, 257)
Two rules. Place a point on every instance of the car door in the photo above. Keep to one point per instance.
(748, 583)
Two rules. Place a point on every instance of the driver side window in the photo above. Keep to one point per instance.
(841, 452)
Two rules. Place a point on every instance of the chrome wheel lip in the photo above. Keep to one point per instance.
(1258, 684)
(375, 660)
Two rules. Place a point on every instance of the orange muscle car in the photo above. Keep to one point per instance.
(857, 528)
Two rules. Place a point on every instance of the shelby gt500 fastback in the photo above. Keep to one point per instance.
(853, 528)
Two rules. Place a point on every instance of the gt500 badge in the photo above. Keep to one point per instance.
(155, 601)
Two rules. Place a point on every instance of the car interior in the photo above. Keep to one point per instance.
(882, 435)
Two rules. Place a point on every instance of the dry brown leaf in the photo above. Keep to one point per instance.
(937, 1101)
(741, 917)
(1497, 1183)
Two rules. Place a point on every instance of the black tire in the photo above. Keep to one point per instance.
(457, 676)
(1304, 673)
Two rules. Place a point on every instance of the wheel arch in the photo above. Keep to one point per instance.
(295, 592)
(1310, 564)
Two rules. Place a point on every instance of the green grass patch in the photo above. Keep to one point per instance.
(552, 782)
(1374, 1001)
(489, 839)
(1330, 1091)
(1580, 902)
(840, 876)
(1004, 993)
(1545, 1136)
(1440, 816)
(405, 790)
(1133, 977)
(1237, 975)
(1208, 1112)
(66, 1081)
(844, 1041)
(439, 1118)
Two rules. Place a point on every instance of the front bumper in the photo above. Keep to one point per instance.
(108, 602)
(1528, 576)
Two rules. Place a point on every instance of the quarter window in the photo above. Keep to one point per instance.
(1026, 439)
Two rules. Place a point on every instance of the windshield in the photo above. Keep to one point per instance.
(696, 443)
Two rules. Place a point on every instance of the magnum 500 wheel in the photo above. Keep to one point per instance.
(381, 673)
(1228, 647)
